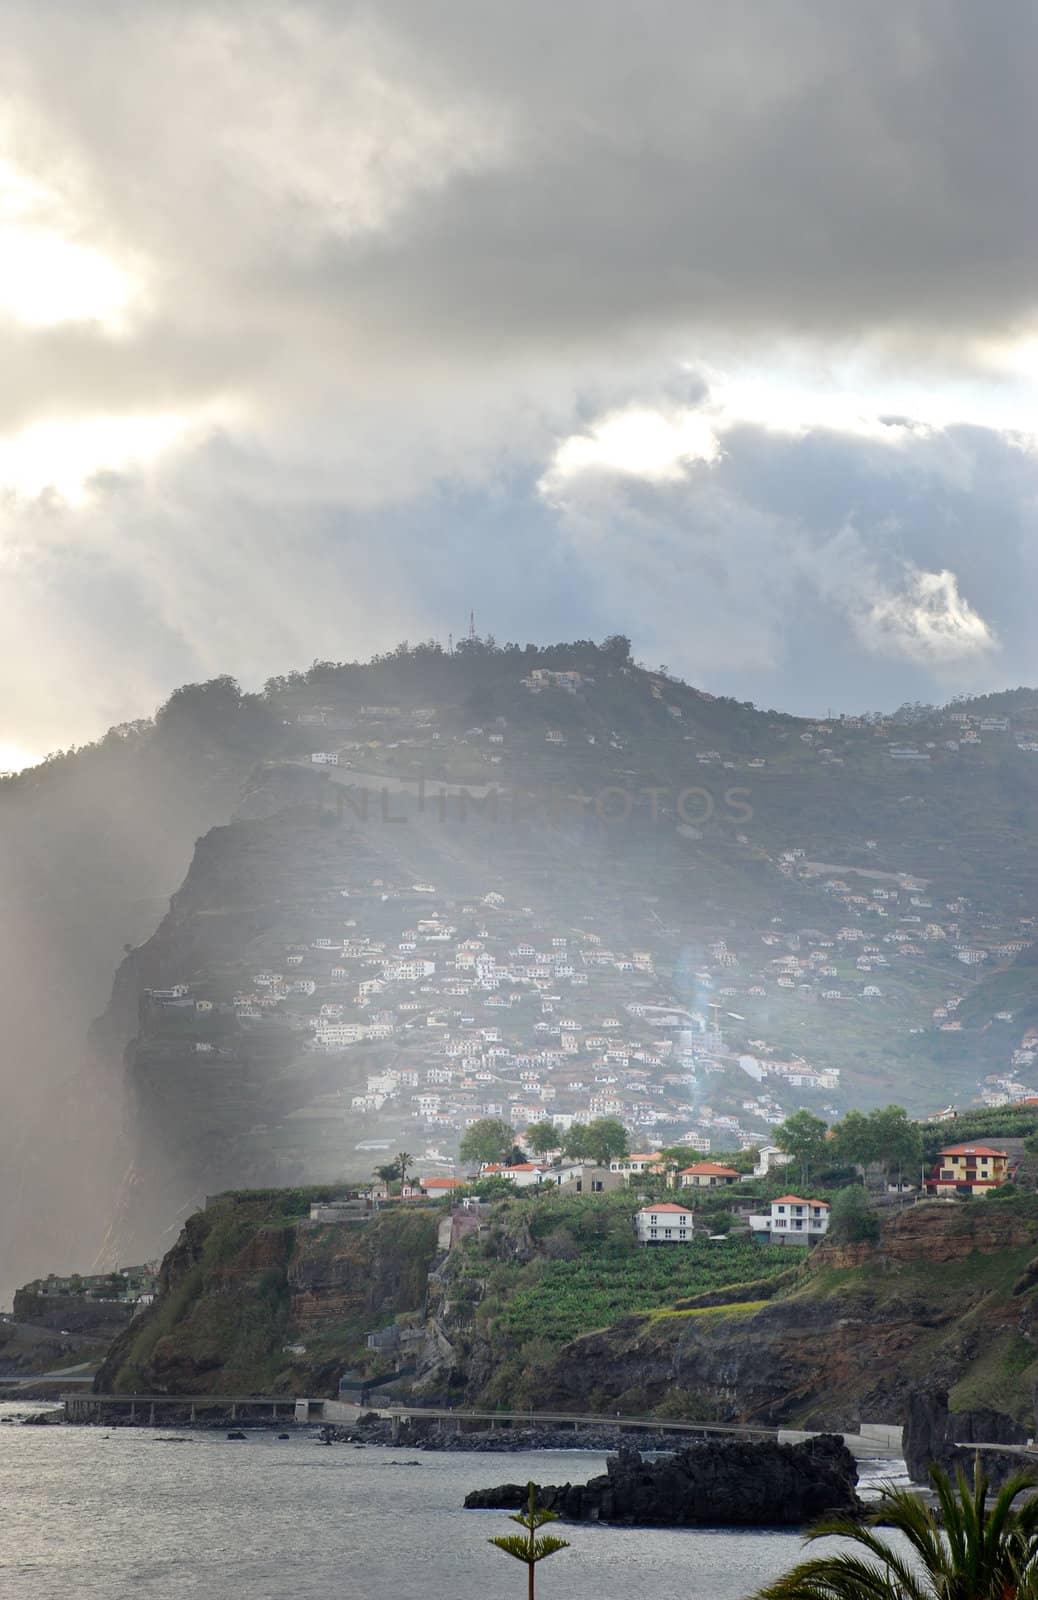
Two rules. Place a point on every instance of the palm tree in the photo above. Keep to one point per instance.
(404, 1159)
(962, 1549)
(528, 1547)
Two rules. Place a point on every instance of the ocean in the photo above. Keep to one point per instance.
(128, 1514)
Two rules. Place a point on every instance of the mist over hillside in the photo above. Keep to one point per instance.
(631, 895)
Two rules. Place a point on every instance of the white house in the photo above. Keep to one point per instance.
(664, 1223)
(793, 1221)
(525, 1174)
(769, 1156)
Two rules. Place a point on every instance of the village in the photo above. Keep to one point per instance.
(421, 998)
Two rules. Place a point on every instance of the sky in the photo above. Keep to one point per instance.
(322, 325)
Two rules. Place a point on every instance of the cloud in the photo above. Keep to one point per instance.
(638, 441)
(928, 622)
(322, 323)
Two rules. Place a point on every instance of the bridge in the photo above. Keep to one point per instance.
(93, 1407)
(464, 1421)
(874, 1441)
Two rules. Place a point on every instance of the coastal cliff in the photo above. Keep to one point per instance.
(255, 1297)
(936, 1325)
(946, 1298)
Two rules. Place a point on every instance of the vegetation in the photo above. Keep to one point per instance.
(803, 1136)
(884, 1138)
(555, 1266)
(601, 1140)
(967, 1547)
(850, 1219)
(489, 1140)
(542, 1137)
(532, 1548)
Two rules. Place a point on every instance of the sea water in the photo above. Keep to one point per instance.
(153, 1514)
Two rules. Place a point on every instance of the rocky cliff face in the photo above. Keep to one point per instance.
(255, 1297)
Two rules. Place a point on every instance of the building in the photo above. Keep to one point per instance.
(968, 1169)
(707, 1175)
(664, 1224)
(632, 1165)
(793, 1220)
(586, 1178)
(524, 1174)
(769, 1156)
(435, 1187)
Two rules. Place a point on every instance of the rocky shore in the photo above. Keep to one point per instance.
(502, 1441)
(723, 1483)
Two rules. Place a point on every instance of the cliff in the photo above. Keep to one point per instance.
(254, 1297)
(935, 1326)
(946, 1301)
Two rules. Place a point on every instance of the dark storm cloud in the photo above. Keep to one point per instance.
(383, 260)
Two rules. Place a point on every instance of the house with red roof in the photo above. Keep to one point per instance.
(963, 1169)
(793, 1220)
(664, 1223)
(707, 1175)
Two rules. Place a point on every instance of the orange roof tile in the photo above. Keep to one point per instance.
(712, 1169)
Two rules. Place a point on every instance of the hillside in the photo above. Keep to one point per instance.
(550, 1305)
(256, 1298)
(738, 912)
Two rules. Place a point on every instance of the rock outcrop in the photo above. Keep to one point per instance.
(727, 1483)
(933, 1436)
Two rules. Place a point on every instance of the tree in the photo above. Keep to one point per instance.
(605, 1140)
(542, 1137)
(850, 1220)
(899, 1141)
(530, 1547)
(854, 1140)
(960, 1549)
(885, 1138)
(574, 1144)
(404, 1159)
(389, 1173)
(489, 1139)
(803, 1136)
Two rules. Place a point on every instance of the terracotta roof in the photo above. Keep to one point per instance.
(712, 1168)
(970, 1150)
(797, 1200)
(441, 1183)
(668, 1207)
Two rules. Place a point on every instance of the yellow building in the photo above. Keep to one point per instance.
(968, 1169)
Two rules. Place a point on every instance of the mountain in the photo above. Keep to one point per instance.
(702, 913)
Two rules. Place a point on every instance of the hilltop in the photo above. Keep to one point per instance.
(702, 913)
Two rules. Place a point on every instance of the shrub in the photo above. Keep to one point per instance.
(850, 1220)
